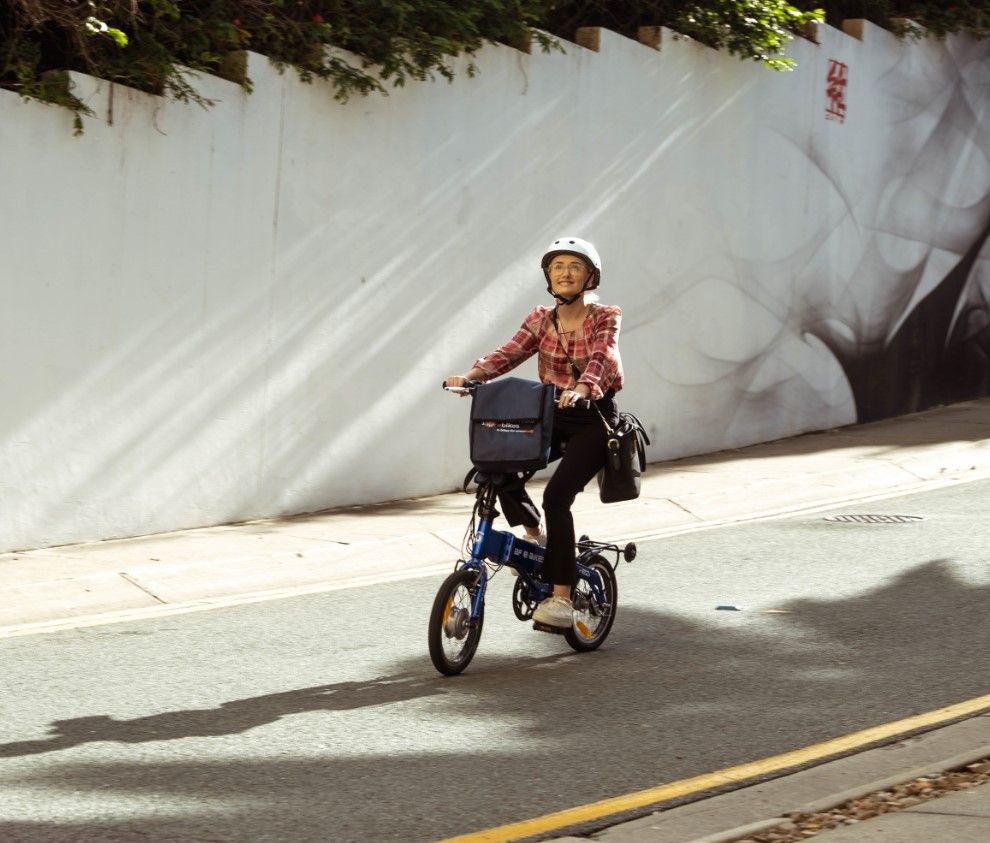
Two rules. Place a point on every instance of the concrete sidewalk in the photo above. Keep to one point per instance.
(104, 581)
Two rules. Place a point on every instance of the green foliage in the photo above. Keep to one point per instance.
(149, 44)
(752, 29)
(748, 28)
(362, 46)
(937, 18)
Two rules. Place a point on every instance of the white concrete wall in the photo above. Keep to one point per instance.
(215, 315)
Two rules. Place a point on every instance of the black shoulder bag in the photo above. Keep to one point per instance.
(625, 461)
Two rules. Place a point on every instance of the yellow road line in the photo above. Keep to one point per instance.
(720, 778)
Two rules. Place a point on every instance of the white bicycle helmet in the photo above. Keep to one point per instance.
(574, 246)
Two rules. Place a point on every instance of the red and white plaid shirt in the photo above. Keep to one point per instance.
(593, 347)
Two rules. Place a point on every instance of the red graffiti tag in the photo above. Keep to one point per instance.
(835, 90)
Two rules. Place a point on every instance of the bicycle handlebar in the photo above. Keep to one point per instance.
(470, 386)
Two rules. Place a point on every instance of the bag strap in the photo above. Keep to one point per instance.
(642, 438)
(635, 422)
(575, 371)
(613, 443)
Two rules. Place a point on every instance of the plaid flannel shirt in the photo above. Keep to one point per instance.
(593, 347)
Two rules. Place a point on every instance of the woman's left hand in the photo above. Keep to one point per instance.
(569, 396)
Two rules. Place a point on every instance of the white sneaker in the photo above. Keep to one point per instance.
(555, 611)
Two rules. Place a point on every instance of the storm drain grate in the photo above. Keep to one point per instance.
(874, 519)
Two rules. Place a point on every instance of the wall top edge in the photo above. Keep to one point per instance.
(586, 39)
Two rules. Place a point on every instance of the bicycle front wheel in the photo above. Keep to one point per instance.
(593, 617)
(453, 637)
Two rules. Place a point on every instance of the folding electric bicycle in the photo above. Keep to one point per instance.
(458, 613)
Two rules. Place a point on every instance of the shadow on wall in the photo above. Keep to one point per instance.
(641, 711)
(480, 295)
(923, 337)
(310, 380)
(351, 362)
(940, 354)
(872, 305)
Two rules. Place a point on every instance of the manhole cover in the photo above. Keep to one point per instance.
(874, 519)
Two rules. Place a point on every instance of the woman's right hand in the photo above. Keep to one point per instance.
(474, 374)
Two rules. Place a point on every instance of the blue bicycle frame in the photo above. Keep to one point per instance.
(500, 547)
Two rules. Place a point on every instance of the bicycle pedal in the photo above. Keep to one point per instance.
(543, 627)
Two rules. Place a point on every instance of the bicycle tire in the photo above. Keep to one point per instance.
(454, 595)
(591, 628)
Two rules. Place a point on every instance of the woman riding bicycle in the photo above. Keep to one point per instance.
(577, 343)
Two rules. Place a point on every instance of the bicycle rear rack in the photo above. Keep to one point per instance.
(585, 544)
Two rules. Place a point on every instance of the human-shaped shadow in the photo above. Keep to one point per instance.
(229, 718)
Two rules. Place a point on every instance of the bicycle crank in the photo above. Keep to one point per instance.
(522, 605)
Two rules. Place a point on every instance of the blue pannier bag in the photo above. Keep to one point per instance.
(511, 425)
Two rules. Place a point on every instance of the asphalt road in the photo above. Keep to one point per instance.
(321, 718)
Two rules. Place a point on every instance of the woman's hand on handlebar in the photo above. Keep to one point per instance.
(577, 397)
(464, 384)
(460, 384)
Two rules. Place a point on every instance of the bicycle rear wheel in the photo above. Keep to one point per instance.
(593, 618)
(453, 637)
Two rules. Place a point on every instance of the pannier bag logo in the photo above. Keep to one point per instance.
(509, 427)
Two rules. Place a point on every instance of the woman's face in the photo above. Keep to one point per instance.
(568, 274)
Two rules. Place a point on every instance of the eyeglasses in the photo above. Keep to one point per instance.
(559, 268)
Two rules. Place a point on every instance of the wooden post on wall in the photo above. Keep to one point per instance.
(589, 37)
(651, 36)
(856, 27)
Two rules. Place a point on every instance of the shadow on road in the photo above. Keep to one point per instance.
(230, 718)
(666, 698)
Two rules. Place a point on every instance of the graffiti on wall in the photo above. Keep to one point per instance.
(939, 354)
(923, 272)
(835, 91)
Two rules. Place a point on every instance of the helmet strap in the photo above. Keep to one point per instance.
(567, 299)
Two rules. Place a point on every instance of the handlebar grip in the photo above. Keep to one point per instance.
(579, 404)
(468, 385)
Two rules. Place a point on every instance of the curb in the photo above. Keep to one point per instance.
(827, 803)
(729, 815)
(955, 762)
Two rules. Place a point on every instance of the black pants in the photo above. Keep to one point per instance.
(579, 441)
